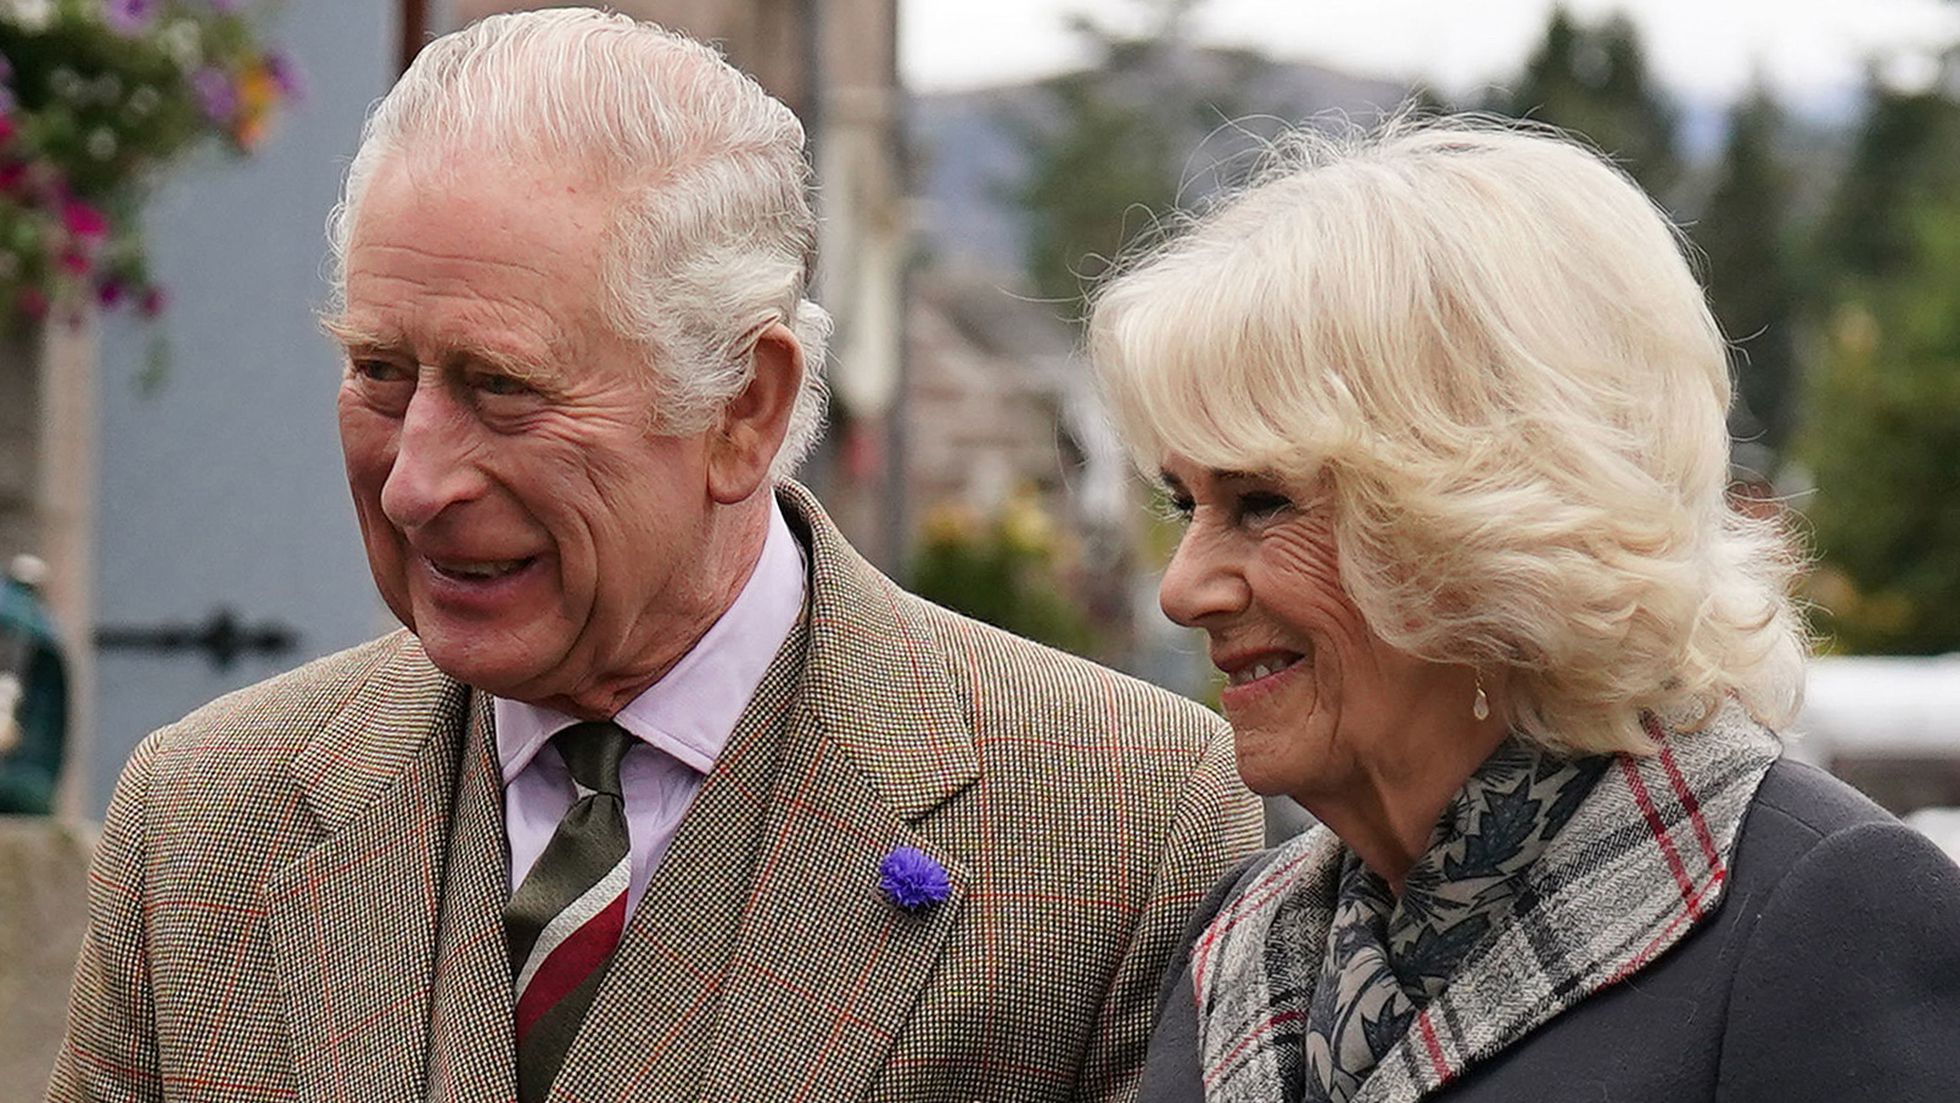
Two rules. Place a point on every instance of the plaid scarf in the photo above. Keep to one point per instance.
(1385, 958)
(1640, 859)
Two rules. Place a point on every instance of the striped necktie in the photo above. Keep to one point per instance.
(565, 919)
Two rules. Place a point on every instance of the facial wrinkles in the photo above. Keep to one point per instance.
(435, 463)
(1298, 571)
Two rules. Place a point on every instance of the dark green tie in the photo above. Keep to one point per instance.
(565, 919)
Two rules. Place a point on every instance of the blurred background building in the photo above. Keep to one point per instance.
(979, 165)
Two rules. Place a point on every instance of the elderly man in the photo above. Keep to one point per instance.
(663, 793)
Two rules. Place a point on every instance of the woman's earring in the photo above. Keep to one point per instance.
(1480, 706)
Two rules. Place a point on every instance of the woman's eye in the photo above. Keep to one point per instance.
(1181, 506)
(1259, 505)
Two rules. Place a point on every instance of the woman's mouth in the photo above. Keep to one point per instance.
(1262, 669)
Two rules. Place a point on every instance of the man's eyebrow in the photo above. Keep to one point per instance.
(357, 337)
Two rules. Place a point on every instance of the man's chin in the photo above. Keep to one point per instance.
(516, 677)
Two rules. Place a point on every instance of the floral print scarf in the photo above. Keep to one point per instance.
(1386, 958)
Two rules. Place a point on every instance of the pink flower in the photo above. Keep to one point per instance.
(111, 292)
(285, 75)
(130, 18)
(84, 221)
(152, 302)
(75, 262)
(33, 302)
(216, 95)
(12, 175)
(8, 128)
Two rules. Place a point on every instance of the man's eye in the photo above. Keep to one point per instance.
(377, 371)
(499, 385)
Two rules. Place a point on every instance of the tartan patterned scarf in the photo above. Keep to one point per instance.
(1386, 958)
(1638, 863)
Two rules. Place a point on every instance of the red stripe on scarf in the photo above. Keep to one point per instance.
(1437, 1060)
(1276, 880)
(1226, 1062)
(1689, 895)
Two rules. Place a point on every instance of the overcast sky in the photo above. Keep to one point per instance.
(1811, 50)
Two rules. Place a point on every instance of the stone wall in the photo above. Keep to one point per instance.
(43, 911)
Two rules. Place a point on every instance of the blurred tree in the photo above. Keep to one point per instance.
(1094, 181)
(1904, 151)
(1594, 80)
(1004, 570)
(1886, 513)
(1752, 281)
(1107, 155)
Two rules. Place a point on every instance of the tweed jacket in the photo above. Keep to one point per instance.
(1734, 940)
(298, 893)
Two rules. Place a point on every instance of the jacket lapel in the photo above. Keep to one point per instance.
(472, 1032)
(352, 922)
(825, 968)
(1642, 863)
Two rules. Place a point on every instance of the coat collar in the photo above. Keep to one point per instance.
(1642, 863)
(768, 954)
(877, 676)
(353, 921)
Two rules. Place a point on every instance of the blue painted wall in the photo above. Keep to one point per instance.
(224, 486)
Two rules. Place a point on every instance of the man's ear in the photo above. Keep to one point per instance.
(754, 422)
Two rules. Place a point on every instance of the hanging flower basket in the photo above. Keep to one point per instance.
(97, 98)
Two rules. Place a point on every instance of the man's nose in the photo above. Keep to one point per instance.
(433, 466)
(1201, 586)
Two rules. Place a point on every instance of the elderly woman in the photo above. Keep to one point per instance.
(1442, 411)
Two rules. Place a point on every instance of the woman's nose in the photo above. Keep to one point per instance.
(1203, 584)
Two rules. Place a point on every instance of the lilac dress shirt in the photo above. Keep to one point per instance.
(682, 722)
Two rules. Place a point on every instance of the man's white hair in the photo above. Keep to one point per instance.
(713, 237)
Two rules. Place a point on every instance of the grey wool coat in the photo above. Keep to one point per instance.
(1819, 962)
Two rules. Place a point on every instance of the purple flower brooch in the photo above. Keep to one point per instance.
(913, 879)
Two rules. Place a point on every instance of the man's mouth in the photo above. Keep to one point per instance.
(479, 570)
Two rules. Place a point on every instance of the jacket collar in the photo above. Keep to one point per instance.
(353, 921)
(877, 675)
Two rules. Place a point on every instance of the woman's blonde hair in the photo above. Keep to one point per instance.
(1484, 343)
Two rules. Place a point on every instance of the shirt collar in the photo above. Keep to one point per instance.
(691, 712)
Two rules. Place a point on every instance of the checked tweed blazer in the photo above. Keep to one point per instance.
(299, 887)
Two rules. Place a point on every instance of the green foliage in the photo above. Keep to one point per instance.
(1904, 154)
(1752, 283)
(1093, 183)
(1884, 447)
(1106, 157)
(1004, 570)
(1594, 80)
